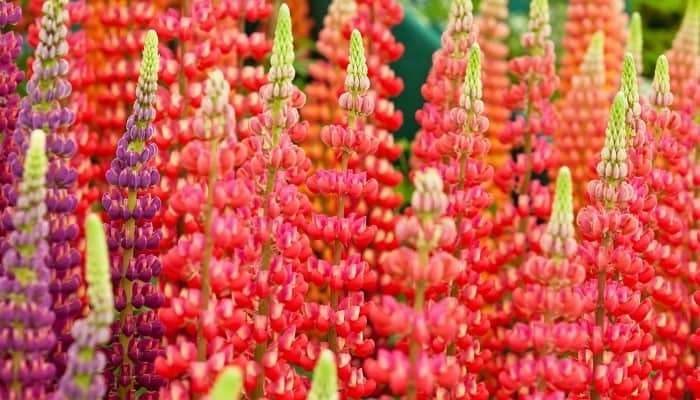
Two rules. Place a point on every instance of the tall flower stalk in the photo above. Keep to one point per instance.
(605, 225)
(45, 107)
(132, 239)
(83, 379)
(11, 45)
(348, 272)
(25, 301)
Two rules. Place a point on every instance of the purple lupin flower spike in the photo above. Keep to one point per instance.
(26, 319)
(132, 239)
(83, 378)
(10, 76)
(43, 108)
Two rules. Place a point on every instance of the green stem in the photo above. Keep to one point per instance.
(414, 346)
(337, 254)
(126, 285)
(208, 249)
(600, 317)
(525, 184)
(266, 259)
(454, 289)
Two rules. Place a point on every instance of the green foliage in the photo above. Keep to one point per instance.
(660, 23)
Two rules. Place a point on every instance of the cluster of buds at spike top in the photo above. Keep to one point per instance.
(25, 302)
(442, 88)
(583, 21)
(417, 366)
(44, 108)
(553, 302)
(582, 114)
(132, 239)
(83, 377)
(611, 231)
(11, 45)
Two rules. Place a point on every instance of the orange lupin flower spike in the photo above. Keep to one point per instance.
(684, 55)
(583, 113)
(584, 19)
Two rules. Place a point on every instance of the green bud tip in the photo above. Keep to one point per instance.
(635, 41)
(325, 381)
(228, 385)
(283, 45)
(662, 80)
(36, 161)
(563, 201)
(597, 44)
(150, 58)
(357, 63)
(615, 131)
(539, 11)
(97, 272)
(472, 82)
(629, 79)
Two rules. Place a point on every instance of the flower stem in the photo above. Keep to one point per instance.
(414, 346)
(266, 259)
(337, 254)
(599, 319)
(126, 285)
(208, 250)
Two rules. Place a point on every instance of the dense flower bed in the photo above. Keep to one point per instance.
(185, 217)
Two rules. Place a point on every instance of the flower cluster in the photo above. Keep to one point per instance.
(583, 114)
(44, 108)
(584, 20)
(132, 240)
(234, 197)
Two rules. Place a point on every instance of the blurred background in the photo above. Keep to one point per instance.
(424, 21)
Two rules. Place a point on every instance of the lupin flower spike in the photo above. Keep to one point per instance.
(636, 41)
(595, 49)
(325, 381)
(97, 273)
(44, 107)
(428, 199)
(228, 385)
(613, 164)
(282, 71)
(356, 80)
(131, 237)
(83, 379)
(357, 83)
(661, 85)
(629, 80)
(25, 301)
(215, 119)
(558, 240)
(539, 24)
(472, 81)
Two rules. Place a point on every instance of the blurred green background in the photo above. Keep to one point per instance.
(425, 19)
